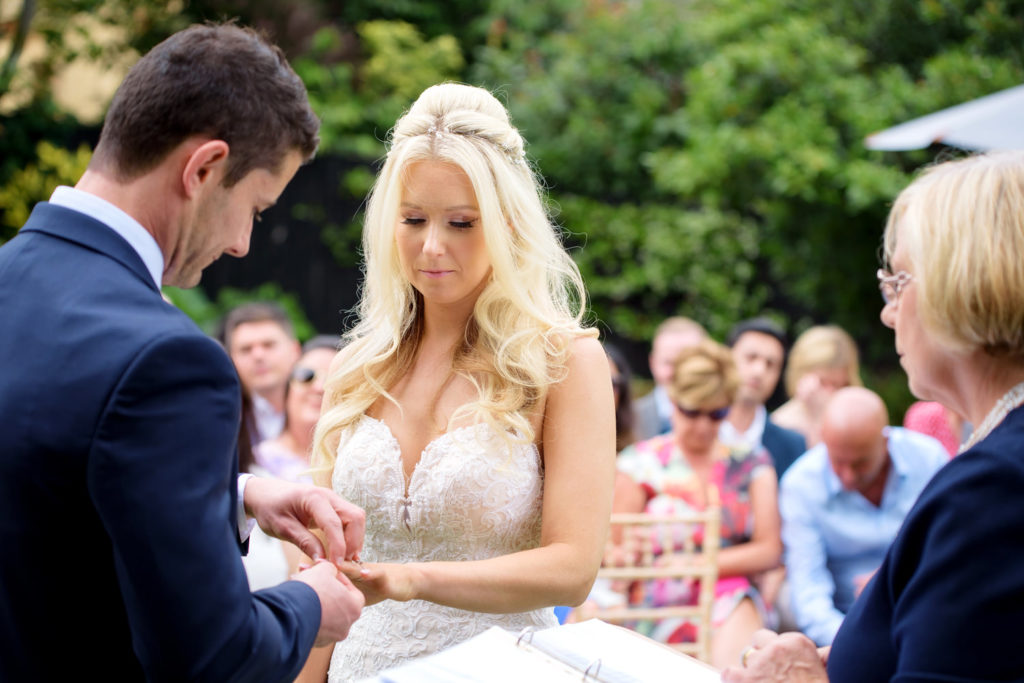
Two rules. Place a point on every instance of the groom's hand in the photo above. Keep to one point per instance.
(340, 601)
(288, 511)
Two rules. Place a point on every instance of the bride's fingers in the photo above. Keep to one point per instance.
(355, 571)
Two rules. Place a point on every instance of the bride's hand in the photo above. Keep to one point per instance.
(380, 582)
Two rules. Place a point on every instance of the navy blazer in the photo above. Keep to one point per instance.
(947, 604)
(785, 445)
(118, 537)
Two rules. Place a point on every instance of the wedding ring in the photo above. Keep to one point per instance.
(746, 653)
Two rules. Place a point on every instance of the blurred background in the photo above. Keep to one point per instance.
(705, 158)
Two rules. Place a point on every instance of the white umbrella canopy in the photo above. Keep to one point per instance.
(992, 122)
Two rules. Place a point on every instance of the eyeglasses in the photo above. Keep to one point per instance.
(892, 286)
(713, 415)
(303, 375)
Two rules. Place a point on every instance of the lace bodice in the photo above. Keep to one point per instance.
(472, 496)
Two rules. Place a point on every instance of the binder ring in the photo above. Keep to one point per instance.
(527, 634)
(593, 669)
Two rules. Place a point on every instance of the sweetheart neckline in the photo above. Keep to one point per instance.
(407, 479)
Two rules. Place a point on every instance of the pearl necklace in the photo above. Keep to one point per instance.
(1013, 398)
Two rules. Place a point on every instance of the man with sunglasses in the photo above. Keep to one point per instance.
(842, 503)
(286, 456)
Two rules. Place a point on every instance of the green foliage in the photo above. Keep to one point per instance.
(659, 125)
(359, 102)
(594, 92)
(777, 117)
(706, 157)
(208, 314)
(462, 19)
(639, 260)
(99, 30)
(104, 33)
(36, 182)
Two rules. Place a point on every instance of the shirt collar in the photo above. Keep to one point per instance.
(900, 463)
(753, 437)
(117, 220)
(663, 402)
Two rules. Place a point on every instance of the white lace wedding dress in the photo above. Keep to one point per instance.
(471, 497)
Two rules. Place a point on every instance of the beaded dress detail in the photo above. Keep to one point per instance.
(472, 496)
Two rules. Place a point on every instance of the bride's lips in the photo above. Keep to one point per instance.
(435, 273)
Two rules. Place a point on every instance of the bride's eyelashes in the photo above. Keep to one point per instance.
(464, 224)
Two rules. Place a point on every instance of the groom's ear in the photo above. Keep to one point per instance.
(204, 167)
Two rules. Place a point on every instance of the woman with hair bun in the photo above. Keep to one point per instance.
(470, 412)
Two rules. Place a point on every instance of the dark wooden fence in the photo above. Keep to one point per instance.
(291, 251)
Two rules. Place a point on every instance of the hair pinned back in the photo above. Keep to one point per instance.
(516, 341)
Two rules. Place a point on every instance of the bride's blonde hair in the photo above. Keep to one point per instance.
(516, 343)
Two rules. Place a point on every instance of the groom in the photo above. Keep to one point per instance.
(120, 520)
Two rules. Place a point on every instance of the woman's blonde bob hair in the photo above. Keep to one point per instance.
(960, 227)
(516, 342)
(823, 347)
(702, 374)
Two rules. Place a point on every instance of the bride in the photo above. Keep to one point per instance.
(470, 413)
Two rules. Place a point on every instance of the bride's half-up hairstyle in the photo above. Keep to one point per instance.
(516, 343)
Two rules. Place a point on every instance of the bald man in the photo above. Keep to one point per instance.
(842, 503)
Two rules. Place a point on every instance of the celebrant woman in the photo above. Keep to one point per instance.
(947, 604)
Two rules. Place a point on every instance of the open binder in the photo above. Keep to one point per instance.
(589, 651)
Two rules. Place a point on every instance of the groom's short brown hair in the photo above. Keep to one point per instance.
(220, 81)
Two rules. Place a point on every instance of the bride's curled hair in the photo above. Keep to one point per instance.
(517, 341)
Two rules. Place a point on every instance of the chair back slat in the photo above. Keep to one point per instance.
(646, 548)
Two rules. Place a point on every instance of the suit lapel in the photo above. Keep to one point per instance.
(87, 232)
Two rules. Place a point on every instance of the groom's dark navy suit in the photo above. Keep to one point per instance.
(119, 554)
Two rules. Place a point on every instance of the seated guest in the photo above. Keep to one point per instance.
(822, 360)
(287, 455)
(759, 351)
(653, 411)
(262, 345)
(938, 421)
(843, 502)
(687, 468)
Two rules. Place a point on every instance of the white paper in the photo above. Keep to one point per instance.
(492, 656)
(611, 654)
(625, 657)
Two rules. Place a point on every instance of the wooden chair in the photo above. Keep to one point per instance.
(638, 549)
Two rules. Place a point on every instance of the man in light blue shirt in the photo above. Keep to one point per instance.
(842, 503)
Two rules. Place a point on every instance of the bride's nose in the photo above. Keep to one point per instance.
(433, 240)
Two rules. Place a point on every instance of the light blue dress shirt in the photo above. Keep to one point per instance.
(832, 536)
(664, 406)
